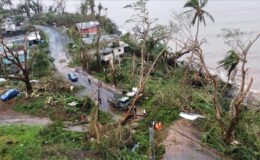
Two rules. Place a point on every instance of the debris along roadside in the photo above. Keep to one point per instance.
(190, 116)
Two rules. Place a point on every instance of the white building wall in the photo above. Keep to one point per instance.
(107, 57)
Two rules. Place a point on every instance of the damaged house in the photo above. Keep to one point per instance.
(114, 51)
(88, 28)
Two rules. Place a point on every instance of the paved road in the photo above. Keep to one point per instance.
(57, 44)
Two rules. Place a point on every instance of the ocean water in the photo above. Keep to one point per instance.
(242, 14)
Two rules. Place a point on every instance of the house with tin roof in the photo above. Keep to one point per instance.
(88, 28)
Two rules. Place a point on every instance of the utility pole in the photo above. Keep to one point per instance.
(154, 126)
(99, 86)
(151, 133)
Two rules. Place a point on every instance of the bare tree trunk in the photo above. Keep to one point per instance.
(238, 106)
(28, 85)
(24, 67)
(133, 67)
(113, 72)
(187, 70)
(215, 100)
(236, 118)
(197, 33)
(140, 92)
(94, 124)
(98, 58)
(237, 103)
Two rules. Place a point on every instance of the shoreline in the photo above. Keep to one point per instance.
(253, 96)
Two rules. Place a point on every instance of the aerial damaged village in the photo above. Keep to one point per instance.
(129, 80)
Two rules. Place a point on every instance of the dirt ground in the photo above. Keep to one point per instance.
(8, 116)
(183, 143)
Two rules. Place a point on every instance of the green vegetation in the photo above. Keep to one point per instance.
(55, 106)
(32, 142)
(165, 91)
(42, 63)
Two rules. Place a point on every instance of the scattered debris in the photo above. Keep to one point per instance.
(52, 85)
(72, 104)
(190, 116)
(130, 94)
(144, 112)
(34, 81)
(2, 80)
(77, 128)
(235, 142)
(135, 89)
(136, 146)
(71, 88)
(49, 100)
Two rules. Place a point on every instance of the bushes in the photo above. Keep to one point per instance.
(42, 63)
(247, 135)
(67, 19)
(31, 108)
(54, 134)
(32, 142)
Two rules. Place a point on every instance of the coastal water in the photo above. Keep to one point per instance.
(243, 14)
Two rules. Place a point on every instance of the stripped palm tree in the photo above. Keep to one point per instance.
(230, 62)
(199, 13)
(84, 7)
(100, 7)
(199, 16)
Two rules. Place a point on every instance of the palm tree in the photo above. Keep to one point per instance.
(230, 62)
(100, 7)
(84, 7)
(92, 6)
(199, 13)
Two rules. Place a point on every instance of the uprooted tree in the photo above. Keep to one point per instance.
(145, 29)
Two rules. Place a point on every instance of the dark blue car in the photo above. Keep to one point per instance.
(11, 93)
(72, 77)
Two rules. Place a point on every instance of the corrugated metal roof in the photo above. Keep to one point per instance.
(87, 25)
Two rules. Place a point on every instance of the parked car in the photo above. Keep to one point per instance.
(121, 103)
(72, 77)
(11, 93)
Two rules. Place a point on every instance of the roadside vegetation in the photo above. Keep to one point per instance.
(166, 87)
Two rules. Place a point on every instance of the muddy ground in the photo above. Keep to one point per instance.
(183, 142)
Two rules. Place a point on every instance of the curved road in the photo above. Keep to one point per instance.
(57, 44)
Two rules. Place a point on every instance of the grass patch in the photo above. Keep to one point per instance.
(20, 142)
(33, 142)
